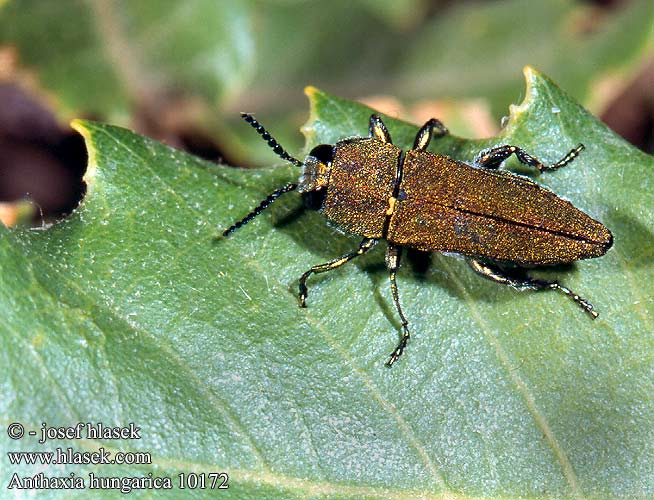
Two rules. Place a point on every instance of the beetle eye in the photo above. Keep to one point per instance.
(323, 153)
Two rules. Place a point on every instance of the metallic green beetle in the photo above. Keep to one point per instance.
(418, 199)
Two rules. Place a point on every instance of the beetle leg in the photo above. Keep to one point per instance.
(428, 130)
(365, 245)
(495, 273)
(494, 157)
(378, 129)
(393, 254)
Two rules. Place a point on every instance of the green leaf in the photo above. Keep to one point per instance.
(131, 311)
(103, 57)
(478, 50)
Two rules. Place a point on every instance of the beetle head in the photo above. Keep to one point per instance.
(315, 177)
(313, 182)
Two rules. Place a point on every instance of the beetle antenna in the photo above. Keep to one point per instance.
(272, 143)
(262, 206)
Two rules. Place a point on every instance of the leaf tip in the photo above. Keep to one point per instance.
(308, 129)
(310, 91)
(529, 72)
(531, 75)
(80, 126)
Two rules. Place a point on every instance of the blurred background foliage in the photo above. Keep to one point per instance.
(181, 71)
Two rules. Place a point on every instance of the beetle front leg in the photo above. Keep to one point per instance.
(393, 255)
(498, 275)
(365, 245)
(494, 157)
(378, 130)
(433, 128)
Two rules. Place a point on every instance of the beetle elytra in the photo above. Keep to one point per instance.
(499, 221)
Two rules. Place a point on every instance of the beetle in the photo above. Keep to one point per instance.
(500, 222)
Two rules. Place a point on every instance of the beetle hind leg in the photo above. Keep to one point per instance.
(393, 262)
(365, 245)
(492, 158)
(495, 273)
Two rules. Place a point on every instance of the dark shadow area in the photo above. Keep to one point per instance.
(39, 160)
(165, 118)
(199, 144)
(43, 161)
(420, 263)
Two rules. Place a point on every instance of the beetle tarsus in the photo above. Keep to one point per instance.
(302, 296)
(400, 347)
(572, 154)
(581, 302)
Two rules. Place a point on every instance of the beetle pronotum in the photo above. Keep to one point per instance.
(418, 199)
